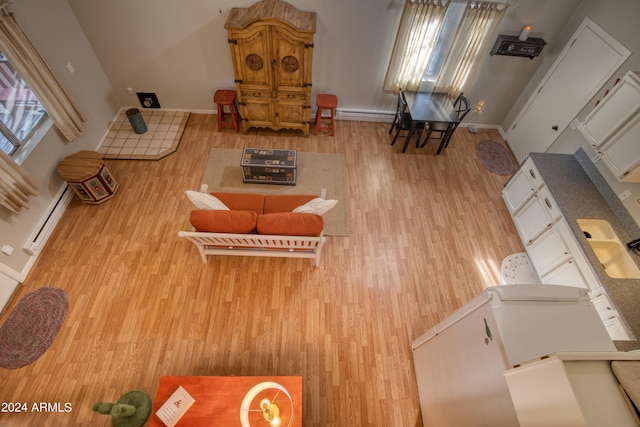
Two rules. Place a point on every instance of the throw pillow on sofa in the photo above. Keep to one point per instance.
(205, 201)
(318, 206)
(274, 203)
(220, 221)
(290, 224)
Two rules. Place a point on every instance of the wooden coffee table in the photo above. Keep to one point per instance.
(269, 166)
(218, 399)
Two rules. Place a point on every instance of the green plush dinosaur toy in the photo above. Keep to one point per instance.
(131, 410)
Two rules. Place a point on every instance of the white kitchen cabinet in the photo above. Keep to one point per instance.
(616, 328)
(613, 128)
(553, 260)
(522, 186)
(552, 247)
(612, 113)
(622, 154)
(536, 216)
(548, 251)
(610, 317)
(567, 274)
(580, 260)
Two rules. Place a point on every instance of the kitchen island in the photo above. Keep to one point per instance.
(580, 191)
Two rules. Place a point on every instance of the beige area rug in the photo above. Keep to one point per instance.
(315, 171)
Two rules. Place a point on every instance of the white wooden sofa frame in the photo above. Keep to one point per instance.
(256, 245)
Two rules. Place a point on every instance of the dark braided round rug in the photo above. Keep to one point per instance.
(32, 326)
(496, 157)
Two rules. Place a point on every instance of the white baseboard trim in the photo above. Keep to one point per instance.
(14, 274)
(8, 286)
(484, 126)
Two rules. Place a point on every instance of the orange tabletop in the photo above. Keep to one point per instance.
(218, 399)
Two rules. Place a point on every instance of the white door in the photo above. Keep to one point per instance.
(582, 68)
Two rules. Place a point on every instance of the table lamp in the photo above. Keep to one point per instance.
(271, 408)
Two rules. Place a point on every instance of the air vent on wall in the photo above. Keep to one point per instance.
(148, 99)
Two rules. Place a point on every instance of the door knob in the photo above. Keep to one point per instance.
(554, 127)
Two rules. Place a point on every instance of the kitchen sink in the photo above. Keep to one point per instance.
(610, 251)
(598, 229)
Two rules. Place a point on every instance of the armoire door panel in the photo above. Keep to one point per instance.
(290, 57)
(257, 112)
(253, 58)
(291, 114)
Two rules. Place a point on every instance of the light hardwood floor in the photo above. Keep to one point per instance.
(427, 234)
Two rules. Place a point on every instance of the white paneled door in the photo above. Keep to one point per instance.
(581, 69)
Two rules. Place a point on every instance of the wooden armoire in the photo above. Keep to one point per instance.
(272, 49)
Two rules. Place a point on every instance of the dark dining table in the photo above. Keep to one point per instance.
(432, 107)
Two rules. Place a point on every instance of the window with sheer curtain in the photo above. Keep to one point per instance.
(21, 113)
(31, 89)
(440, 43)
(31, 67)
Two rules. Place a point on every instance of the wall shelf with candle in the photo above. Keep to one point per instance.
(513, 46)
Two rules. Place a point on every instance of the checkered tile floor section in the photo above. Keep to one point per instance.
(164, 130)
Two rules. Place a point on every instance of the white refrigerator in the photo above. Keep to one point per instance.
(460, 362)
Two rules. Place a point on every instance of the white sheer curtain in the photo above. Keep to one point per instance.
(419, 27)
(479, 23)
(15, 45)
(15, 185)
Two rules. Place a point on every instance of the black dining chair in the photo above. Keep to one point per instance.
(402, 122)
(462, 107)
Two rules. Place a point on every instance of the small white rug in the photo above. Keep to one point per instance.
(315, 172)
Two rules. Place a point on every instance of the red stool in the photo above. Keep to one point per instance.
(227, 98)
(326, 101)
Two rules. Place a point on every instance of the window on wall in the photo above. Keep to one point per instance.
(443, 43)
(21, 113)
(440, 43)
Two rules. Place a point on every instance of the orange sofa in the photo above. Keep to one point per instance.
(257, 225)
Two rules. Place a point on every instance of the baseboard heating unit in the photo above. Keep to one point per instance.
(42, 232)
(364, 115)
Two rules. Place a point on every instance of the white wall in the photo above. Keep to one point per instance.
(55, 32)
(179, 50)
(502, 78)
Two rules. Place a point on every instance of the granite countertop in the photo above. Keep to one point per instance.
(581, 192)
